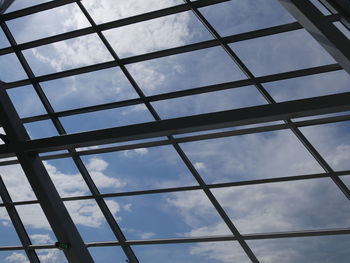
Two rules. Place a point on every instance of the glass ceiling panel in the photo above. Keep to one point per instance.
(209, 102)
(138, 169)
(176, 30)
(291, 206)
(309, 86)
(168, 216)
(8, 235)
(282, 52)
(266, 13)
(17, 5)
(103, 86)
(11, 69)
(194, 69)
(258, 178)
(47, 23)
(26, 101)
(253, 156)
(305, 249)
(109, 10)
(68, 54)
(210, 252)
(333, 142)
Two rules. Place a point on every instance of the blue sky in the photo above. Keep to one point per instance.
(292, 206)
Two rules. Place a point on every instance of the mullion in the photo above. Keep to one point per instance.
(17, 223)
(77, 160)
(309, 147)
(176, 146)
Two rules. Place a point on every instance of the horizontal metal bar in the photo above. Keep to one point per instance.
(217, 238)
(217, 120)
(190, 188)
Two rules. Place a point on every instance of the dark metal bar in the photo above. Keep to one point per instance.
(327, 34)
(259, 236)
(17, 224)
(189, 188)
(4, 5)
(40, 181)
(239, 117)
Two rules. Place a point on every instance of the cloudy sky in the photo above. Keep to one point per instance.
(293, 206)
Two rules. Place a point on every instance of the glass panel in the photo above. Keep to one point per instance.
(36, 224)
(51, 255)
(185, 71)
(11, 69)
(168, 216)
(3, 40)
(66, 177)
(306, 249)
(90, 221)
(343, 29)
(107, 118)
(108, 254)
(11, 256)
(253, 156)
(333, 143)
(26, 101)
(47, 23)
(248, 15)
(288, 206)
(16, 183)
(8, 235)
(210, 252)
(69, 54)
(309, 86)
(103, 86)
(153, 35)
(23, 4)
(108, 10)
(41, 129)
(282, 52)
(138, 169)
(209, 102)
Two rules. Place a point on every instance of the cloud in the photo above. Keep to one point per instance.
(17, 258)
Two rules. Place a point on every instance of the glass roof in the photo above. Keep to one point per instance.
(264, 192)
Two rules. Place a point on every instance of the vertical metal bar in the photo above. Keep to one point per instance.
(77, 160)
(17, 223)
(44, 189)
(327, 34)
(341, 185)
(177, 147)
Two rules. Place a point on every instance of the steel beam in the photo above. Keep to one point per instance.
(4, 5)
(44, 189)
(327, 34)
(239, 117)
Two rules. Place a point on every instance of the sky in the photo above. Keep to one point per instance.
(286, 206)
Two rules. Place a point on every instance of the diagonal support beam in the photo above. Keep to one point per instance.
(327, 34)
(245, 116)
(44, 189)
(4, 4)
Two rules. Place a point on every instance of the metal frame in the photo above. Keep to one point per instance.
(30, 153)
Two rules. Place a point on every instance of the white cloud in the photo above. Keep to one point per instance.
(199, 166)
(17, 258)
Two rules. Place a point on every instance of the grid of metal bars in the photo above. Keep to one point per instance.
(75, 154)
